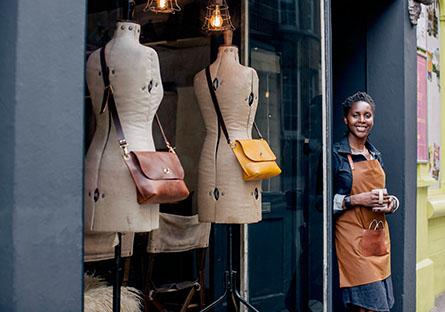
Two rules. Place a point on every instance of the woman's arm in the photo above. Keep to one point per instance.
(369, 200)
(366, 199)
(337, 203)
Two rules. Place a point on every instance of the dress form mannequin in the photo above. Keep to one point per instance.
(223, 195)
(110, 199)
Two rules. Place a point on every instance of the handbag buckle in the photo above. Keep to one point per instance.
(170, 148)
(124, 146)
(126, 154)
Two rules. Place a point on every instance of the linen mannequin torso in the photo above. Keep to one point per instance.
(223, 195)
(110, 197)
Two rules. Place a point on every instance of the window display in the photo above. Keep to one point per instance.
(159, 67)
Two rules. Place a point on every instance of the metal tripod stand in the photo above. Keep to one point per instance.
(230, 282)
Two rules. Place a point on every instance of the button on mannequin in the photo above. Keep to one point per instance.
(223, 195)
(110, 199)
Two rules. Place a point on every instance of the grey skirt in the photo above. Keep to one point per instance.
(376, 296)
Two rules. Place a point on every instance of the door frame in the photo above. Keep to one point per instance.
(327, 126)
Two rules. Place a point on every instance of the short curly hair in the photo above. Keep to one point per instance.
(359, 96)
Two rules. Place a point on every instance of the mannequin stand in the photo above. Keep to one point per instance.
(230, 283)
(117, 276)
(128, 10)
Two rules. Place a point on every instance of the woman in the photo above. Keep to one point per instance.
(360, 204)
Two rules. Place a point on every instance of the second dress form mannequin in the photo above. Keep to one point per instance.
(110, 199)
(223, 195)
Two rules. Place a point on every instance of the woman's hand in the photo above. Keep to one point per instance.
(393, 205)
(370, 200)
(385, 209)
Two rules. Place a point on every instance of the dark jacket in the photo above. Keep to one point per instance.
(341, 169)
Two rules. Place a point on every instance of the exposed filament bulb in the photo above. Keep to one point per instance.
(161, 4)
(216, 20)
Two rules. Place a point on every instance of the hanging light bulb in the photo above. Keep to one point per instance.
(217, 17)
(162, 6)
(216, 20)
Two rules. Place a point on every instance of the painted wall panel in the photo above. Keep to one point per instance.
(43, 109)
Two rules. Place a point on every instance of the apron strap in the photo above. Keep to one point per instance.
(351, 163)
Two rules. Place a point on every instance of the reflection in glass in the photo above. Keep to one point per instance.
(286, 248)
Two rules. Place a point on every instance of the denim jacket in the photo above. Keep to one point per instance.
(341, 170)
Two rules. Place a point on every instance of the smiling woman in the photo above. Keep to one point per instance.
(360, 204)
(359, 120)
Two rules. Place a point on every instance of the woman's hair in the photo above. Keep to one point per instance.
(357, 97)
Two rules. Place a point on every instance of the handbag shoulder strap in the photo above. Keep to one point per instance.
(108, 100)
(216, 105)
(217, 108)
(253, 96)
(164, 137)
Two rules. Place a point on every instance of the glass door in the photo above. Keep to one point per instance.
(286, 248)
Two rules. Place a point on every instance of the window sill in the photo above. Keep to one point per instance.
(436, 206)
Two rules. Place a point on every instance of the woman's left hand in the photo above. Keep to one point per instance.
(385, 209)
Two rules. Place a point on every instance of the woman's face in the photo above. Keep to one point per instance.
(360, 119)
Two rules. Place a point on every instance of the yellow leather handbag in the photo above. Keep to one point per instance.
(255, 156)
(256, 159)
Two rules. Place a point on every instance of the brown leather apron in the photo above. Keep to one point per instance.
(358, 262)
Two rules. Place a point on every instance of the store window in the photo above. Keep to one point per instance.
(285, 249)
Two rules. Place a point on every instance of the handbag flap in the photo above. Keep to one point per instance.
(257, 150)
(160, 165)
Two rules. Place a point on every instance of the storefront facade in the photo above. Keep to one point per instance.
(308, 56)
(430, 189)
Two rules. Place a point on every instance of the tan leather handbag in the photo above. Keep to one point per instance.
(255, 156)
(158, 176)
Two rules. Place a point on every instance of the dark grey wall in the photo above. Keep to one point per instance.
(348, 56)
(41, 122)
(374, 49)
(392, 81)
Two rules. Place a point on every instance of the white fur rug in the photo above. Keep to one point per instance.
(98, 296)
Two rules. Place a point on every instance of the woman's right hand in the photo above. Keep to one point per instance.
(369, 199)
